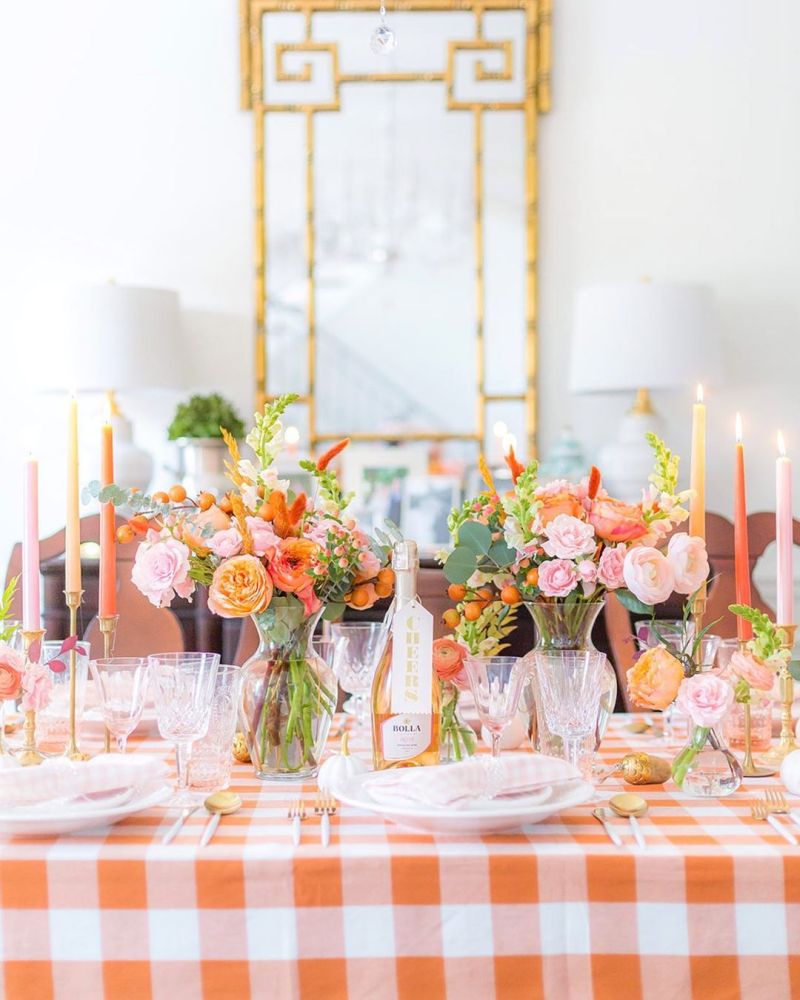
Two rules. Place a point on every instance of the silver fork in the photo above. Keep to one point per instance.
(325, 807)
(297, 813)
(775, 801)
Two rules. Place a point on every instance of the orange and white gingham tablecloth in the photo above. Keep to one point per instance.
(710, 910)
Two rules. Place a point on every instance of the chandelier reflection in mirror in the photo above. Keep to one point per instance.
(395, 214)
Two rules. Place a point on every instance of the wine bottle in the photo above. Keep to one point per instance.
(406, 700)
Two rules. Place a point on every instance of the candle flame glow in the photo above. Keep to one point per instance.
(738, 428)
(291, 435)
(781, 445)
(699, 392)
(109, 408)
(500, 429)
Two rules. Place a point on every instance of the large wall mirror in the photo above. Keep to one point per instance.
(395, 215)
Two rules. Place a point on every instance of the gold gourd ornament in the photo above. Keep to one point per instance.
(641, 769)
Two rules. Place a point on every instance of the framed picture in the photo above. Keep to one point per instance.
(377, 475)
(427, 502)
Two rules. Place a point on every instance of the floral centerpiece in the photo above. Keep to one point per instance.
(280, 558)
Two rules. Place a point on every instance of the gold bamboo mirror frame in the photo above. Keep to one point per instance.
(295, 70)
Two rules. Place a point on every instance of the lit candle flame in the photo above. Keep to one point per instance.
(781, 445)
(699, 392)
(291, 435)
(738, 428)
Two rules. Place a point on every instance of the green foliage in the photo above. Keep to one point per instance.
(265, 436)
(484, 636)
(768, 642)
(665, 468)
(201, 569)
(476, 537)
(329, 487)
(460, 564)
(523, 505)
(632, 603)
(7, 633)
(203, 416)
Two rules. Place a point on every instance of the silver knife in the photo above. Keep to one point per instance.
(638, 833)
(211, 826)
(175, 829)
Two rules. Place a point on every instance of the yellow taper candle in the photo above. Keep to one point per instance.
(73, 523)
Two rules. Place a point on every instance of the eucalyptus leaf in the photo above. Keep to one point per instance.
(501, 554)
(333, 612)
(794, 669)
(461, 564)
(86, 496)
(632, 603)
(475, 536)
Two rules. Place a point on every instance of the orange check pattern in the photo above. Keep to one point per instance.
(710, 910)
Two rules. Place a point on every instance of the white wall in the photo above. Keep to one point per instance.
(673, 151)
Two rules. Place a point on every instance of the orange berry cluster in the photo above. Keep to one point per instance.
(139, 523)
(359, 596)
(475, 601)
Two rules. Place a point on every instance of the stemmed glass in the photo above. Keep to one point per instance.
(496, 684)
(121, 683)
(570, 686)
(357, 648)
(678, 636)
(183, 688)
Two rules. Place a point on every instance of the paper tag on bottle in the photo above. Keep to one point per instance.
(412, 659)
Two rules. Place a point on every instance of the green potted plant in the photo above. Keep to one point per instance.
(196, 429)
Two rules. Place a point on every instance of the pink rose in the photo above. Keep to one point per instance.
(648, 575)
(610, 567)
(587, 574)
(226, 543)
(37, 685)
(11, 667)
(161, 570)
(615, 521)
(757, 674)
(557, 577)
(705, 698)
(689, 560)
(568, 537)
(265, 541)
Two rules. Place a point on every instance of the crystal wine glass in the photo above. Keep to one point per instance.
(183, 688)
(570, 686)
(121, 684)
(496, 684)
(357, 650)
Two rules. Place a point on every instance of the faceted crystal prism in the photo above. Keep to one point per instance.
(383, 41)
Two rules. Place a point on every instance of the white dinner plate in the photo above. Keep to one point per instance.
(479, 816)
(36, 821)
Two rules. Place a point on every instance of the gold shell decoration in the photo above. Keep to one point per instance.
(644, 769)
(240, 751)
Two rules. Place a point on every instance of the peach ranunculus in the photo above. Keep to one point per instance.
(654, 680)
(448, 658)
(757, 674)
(290, 566)
(11, 667)
(240, 586)
(689, 560)
(615, 521)
(705, 698)
(559, 503)
(648, 575)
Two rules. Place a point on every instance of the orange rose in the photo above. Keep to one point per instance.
(615, 521)
(559, 503)
(448, 658)
(654, 679)
(290, 566)
(11, 666)
(240, 587)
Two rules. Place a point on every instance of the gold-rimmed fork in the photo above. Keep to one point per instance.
(325, 807)
(761, 811)
(297, 813)
(775, 801)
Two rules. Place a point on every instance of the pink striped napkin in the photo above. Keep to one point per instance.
(447, 784)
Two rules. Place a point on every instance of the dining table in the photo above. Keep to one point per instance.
(710, 907)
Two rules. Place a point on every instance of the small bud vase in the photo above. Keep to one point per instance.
(456, 738)
(706, 768)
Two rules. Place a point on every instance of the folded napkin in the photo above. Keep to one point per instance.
(58, 780)
(448, 784)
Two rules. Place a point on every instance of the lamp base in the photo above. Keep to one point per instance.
(628, 462)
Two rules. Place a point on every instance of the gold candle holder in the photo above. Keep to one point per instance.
(74, 599)
(786, 742)
(108, 629)
(29, 754)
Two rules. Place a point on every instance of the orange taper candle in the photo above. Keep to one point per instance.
(741, 546)
(108, 539)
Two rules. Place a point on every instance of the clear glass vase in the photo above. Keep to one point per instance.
(456, 738)
(706, 768)
(288, 696)
(562, 624)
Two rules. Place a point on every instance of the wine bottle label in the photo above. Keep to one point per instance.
(405, 736)
(412, 660)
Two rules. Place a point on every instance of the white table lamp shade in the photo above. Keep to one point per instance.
(649, 335)
(116, 337)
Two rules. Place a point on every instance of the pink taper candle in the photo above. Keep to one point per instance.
(31, 615)
(783, 535)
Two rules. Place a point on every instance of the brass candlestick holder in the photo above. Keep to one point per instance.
(28, 753)
(749, 767)
(74, 599)
(108, 629)
(786, 742)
